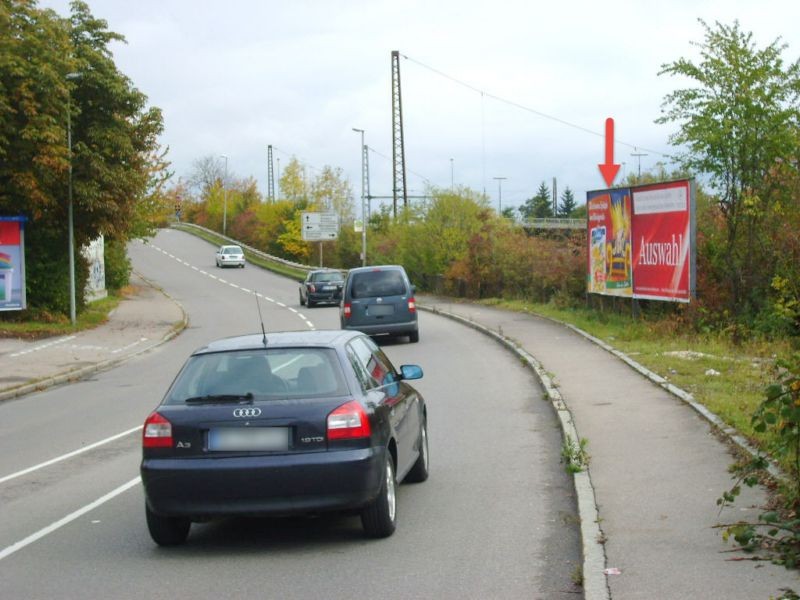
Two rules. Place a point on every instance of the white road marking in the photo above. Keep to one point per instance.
(131, 345)
(233, 285)
(53, 461)
(8, 551)
(44, 346)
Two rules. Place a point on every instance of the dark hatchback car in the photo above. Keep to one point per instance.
(282, 424)
(379, 301)
(321, 285)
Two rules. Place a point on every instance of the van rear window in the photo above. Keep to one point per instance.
(371, 284)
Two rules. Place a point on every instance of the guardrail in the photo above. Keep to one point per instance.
(553, 223)
(256, 251)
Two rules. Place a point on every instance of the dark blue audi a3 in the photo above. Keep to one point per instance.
(281, 424)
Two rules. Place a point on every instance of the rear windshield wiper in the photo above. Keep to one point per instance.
(221, 399)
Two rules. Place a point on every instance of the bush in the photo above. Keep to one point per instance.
(118, 265)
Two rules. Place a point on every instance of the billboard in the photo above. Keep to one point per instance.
(12, 263)
(609, 214)
(642, 241)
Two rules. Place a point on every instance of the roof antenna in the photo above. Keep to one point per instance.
(261, 319)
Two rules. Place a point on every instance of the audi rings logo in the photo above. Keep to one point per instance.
(247, 412)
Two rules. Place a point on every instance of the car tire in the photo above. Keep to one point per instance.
(413, 337)
(419, 472)
(311, 303)
(302, 302)
(379, 518)
(241, 266)
(167, 531)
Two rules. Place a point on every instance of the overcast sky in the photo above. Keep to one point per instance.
(234, 77)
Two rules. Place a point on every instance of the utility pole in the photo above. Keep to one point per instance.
(499, 194)
(70, 223)
(398, 150)
(364, 184)
(225, 196)
(639, 156)
(270, 176)
(555, 197)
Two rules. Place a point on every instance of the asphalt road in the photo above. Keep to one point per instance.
(496, 519)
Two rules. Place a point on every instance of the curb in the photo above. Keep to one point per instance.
(595, 586)
(80, 373)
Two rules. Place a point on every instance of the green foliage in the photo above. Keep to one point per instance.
(777, 532)
(738, 123)
(117, 264)
(540, 206)
(55, 71)
(574, 455)
(292, 182)
(47, 274)
(568, 204)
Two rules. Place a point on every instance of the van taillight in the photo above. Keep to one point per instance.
(348, 310)
(412, 305)
(157, 432)
(348, 422)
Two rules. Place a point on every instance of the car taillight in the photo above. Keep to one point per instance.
(348, 310)
(412, 305)
(157, 432)
(348, 422)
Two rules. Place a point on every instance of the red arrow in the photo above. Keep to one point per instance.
(609, 170)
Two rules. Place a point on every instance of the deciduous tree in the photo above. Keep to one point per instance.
(737, 121)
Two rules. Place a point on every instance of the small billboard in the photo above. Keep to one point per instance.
(12, 263)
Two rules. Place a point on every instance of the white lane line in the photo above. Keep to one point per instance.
(8, 551)
(53, 461)
(129, 346)
(244, 289)
(43, 346)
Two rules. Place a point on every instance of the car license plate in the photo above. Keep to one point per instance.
(328, 288)
(245, 439)
(380, 310)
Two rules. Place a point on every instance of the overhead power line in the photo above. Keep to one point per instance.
(527, 108)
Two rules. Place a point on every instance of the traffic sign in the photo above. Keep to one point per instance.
(320, 227)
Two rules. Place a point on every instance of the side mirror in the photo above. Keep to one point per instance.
(410, 372)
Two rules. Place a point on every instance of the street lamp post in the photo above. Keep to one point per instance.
(451, 176)
(363, 201)
(499, 194)
(225, 196)
(70, 223)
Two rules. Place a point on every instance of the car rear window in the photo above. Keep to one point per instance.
(274, 373)
(371, 284)
(232, 250)
(326, 277)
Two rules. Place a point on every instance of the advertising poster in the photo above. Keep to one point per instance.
(609, 238)
(12, 263)
(662, 242)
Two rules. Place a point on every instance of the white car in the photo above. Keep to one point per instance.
(230, 256)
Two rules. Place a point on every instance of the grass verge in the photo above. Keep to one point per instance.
(45, 325)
